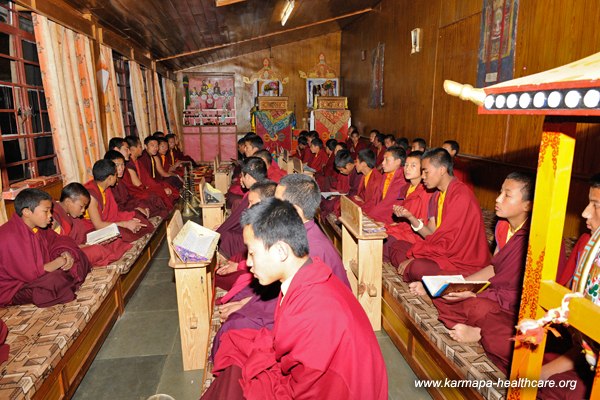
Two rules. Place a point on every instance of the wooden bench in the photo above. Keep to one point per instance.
(52, 348)
(194, 300)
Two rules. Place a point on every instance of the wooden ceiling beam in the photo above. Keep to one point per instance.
(267, 35)
(221, 3)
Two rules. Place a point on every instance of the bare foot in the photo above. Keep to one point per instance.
(465, 334)
(417, 288)
(226, 310)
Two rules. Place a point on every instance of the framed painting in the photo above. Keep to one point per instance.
(320, 87)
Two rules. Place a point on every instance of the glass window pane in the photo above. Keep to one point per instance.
(33, 75)
(14, 150)
(46, 121)
(8, 70)
(29, 51)
(47, 167)
(4, 14)
(6, 97)
(43, 146)
(4, 41)
(8, 123)
(25, 23)
(18, 173)
(43, 105)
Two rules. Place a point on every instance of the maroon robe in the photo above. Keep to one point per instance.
(4, 348)
(260, 309)
(461, 171)
(179, 156)
(458, 245)
(417, 203)
(564, 275)
(149, 163)
(379, 156)
(150, 184)
(23, 254)
(362, 144)
(307, 155)
(295, 360)
(99, 254)
(126, 201)
(109, 212)
(380, 207)
(368, 192)
(319, 161)
(275, 173)
(231, 241)
(344, 184)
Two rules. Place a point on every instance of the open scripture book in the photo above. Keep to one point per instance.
(105, 234)
(195, 243)
(441, 285)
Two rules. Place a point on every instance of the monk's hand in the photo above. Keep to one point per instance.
(226, 310)
(227, 268)
(455, 296)
(402, 212)
(69, 261)
(168, 191)
(403, 266)
(358, 198)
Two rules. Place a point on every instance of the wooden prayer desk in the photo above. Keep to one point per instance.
(194, 300)
(212, 213)
(223, 174)
(362, 255)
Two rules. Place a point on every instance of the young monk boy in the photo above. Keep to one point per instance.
(461, 170)
(294, 360)
(380, 208)
(455, 241)
(411, 205)
(370, 180)
(67, 213)
(480, 317)
(103, 209)
(36, 264)
(320, 157)
(347, 181)
(356, 143)
(418, 144)
(274, 173)
(151, 160)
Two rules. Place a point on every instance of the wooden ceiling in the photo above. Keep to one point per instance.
(186, 33)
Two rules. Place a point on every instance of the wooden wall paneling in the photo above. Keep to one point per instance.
(287, 60)
(587, 149)
(456, 119)
(455, 10)
(60, 12)
(407, 78)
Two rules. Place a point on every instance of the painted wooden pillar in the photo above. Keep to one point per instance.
(543, 252)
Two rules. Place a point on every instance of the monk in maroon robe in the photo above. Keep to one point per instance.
(36, 264)
(460, 168)
(356, 143)
(320, 159)
(347, 182)
(141, 177)
(103, 209)
(175, 152)
(67, 221)
(293, 361)
(151, 163)
(274, 173)
(455, 241)
(380, 207)
(370, 177)
(126, 201)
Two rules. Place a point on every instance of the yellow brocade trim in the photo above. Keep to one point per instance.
(440, 209)
(386, 184)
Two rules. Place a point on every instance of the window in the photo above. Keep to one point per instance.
(163, 97)
(27, 149)
(124, 85)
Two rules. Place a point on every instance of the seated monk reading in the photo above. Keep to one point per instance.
(347, 182)
(380, 207)
(302, 149)
(370, 180)
(572, 364)
(327, 177)
(37, 265)
(410, 207)
(455, 241)
(141, 178)
(252, 144)
(66, 215)
(320, 157)
(149, 207)
(103, 209)
(490, 316)
(293, 360)
(274, 173)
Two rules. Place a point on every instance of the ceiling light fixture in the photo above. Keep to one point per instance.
(287, 11)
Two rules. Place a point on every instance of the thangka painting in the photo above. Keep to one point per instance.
(209, 92)
(266, 81)
(376, 90)
(497, 43)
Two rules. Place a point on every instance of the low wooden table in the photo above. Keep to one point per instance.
(194, 301)
(362, 255)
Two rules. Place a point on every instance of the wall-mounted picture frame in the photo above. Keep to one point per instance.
(328, 87)
(268, 87)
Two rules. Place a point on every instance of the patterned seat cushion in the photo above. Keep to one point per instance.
(469, 358)
(124, 264)
(40, 337)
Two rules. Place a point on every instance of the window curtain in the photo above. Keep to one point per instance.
(151, 108)
(112, 104)
(69, 80)
(174, 115)
(140, 103)
(161, 124)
